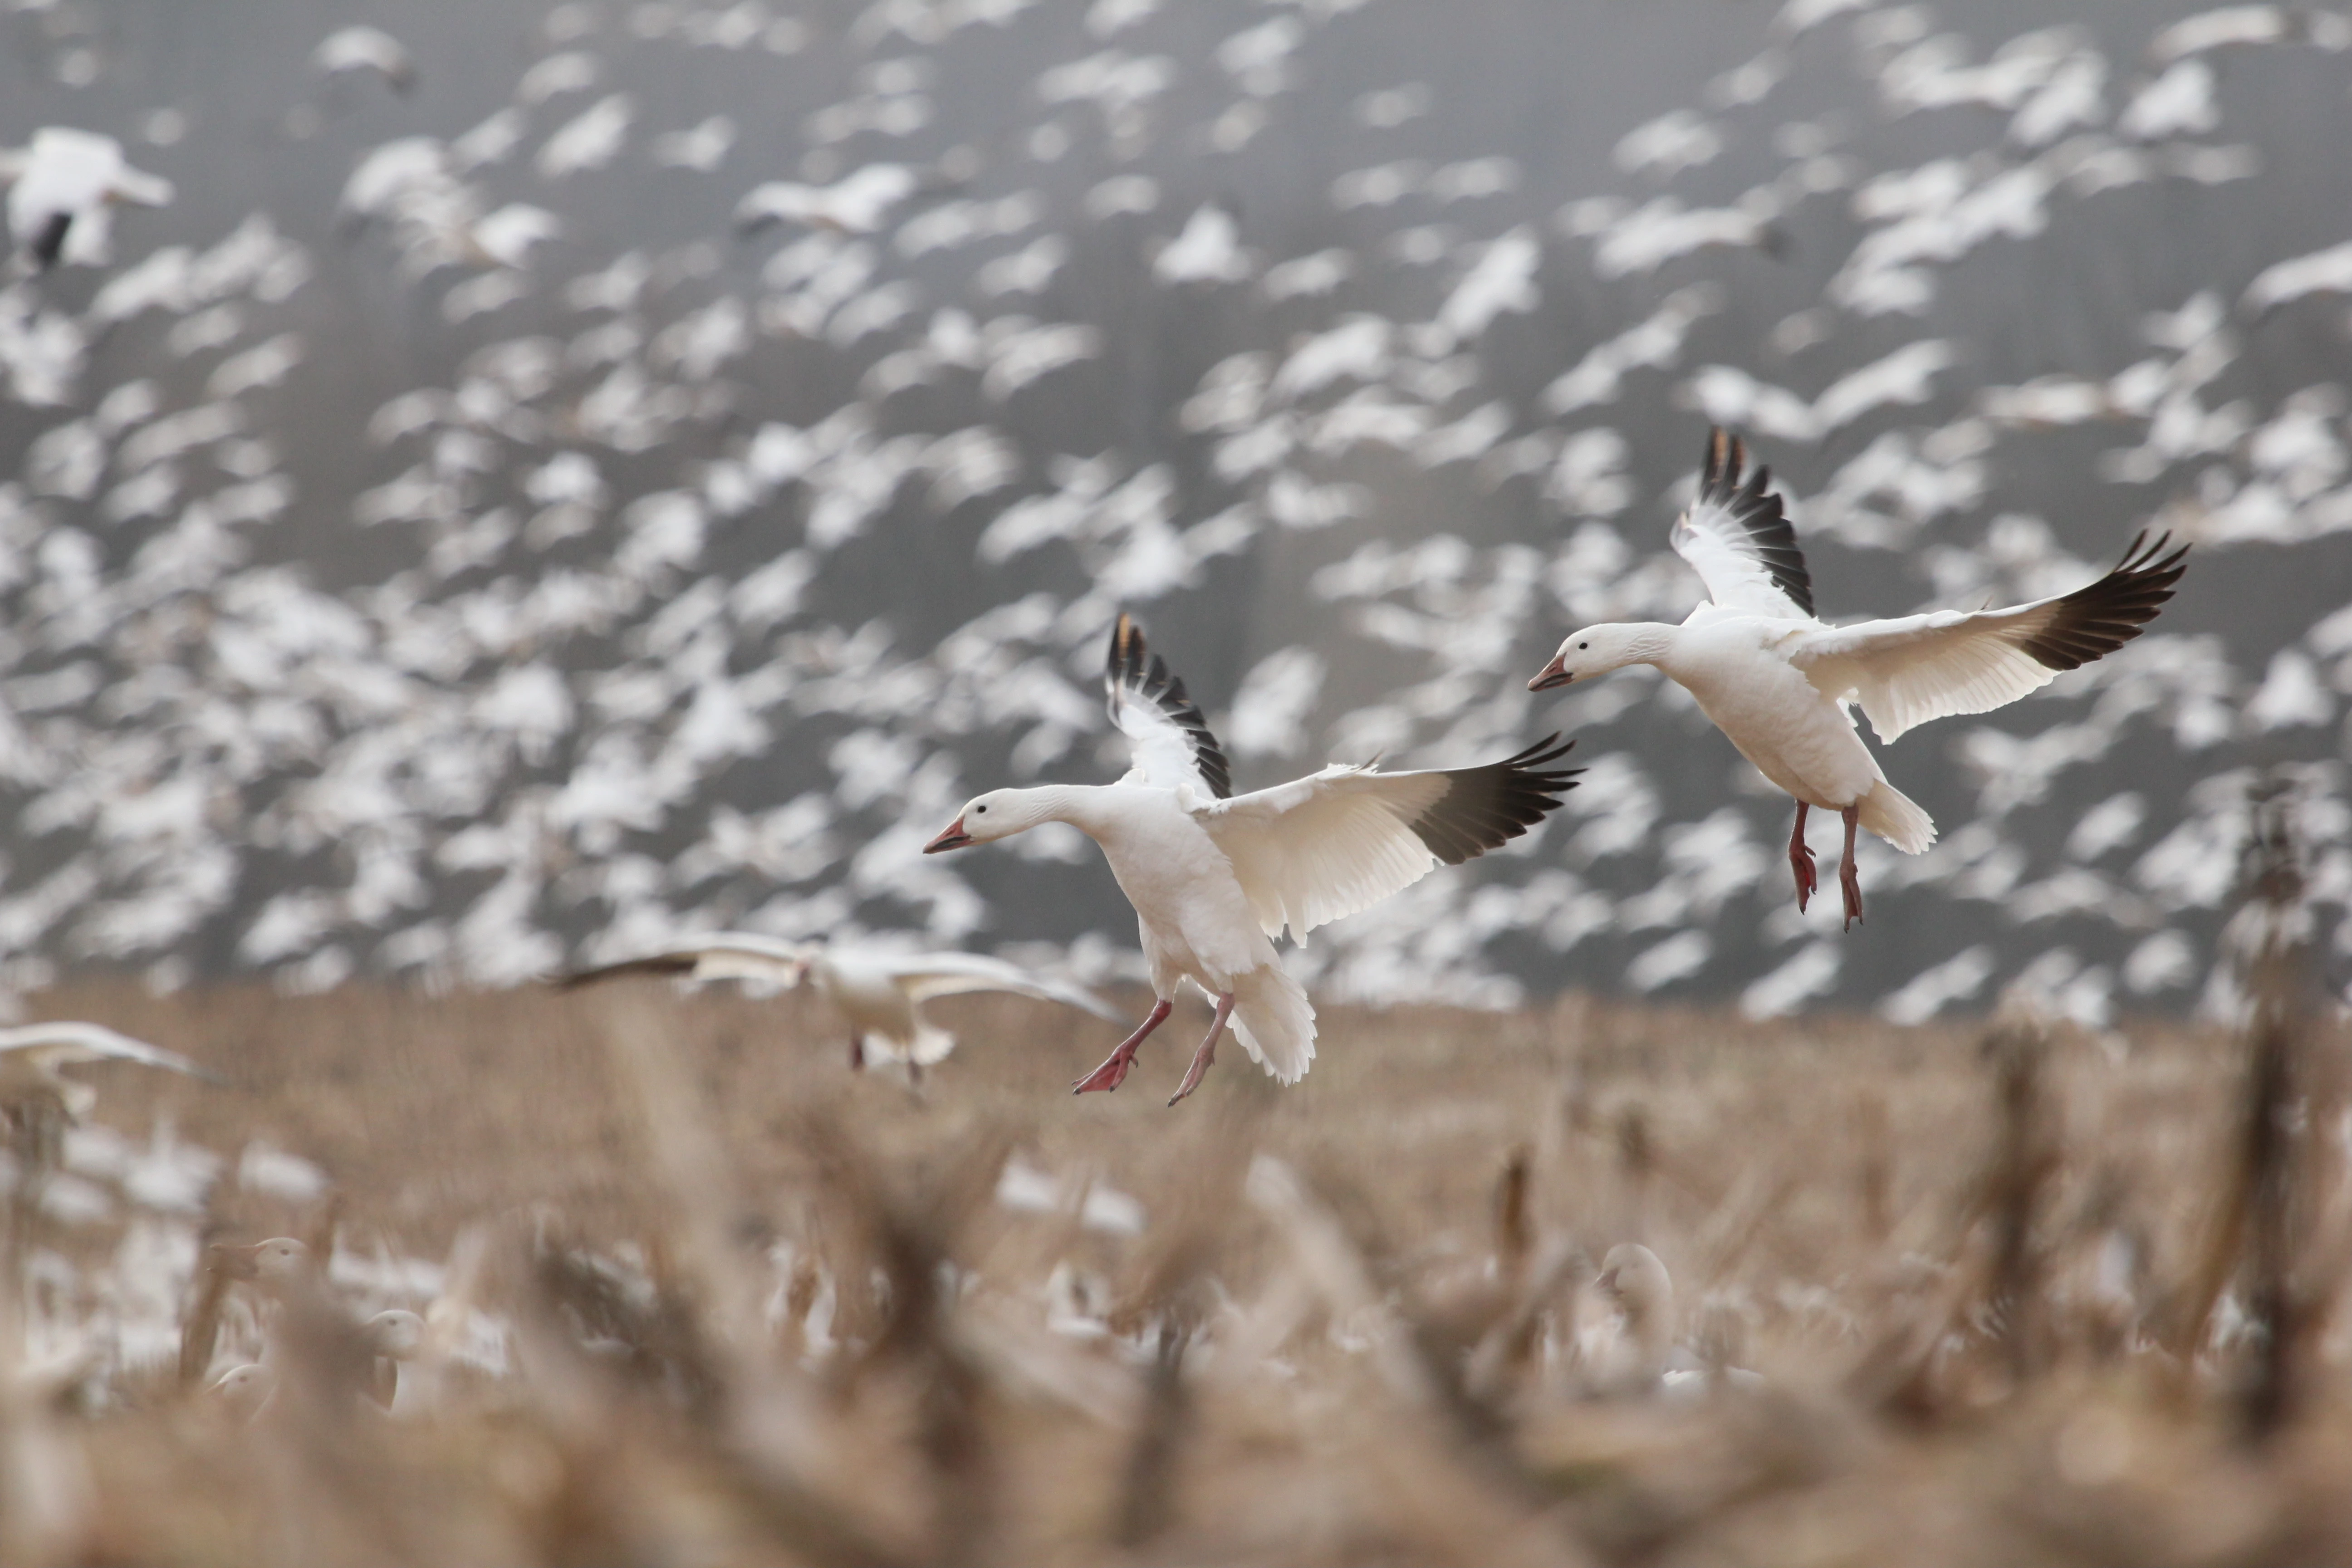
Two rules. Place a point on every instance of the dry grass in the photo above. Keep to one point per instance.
(762, 1310)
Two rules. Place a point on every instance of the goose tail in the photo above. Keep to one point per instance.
(1898, 818)
(1275, 1022)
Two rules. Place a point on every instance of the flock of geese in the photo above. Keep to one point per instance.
(619, 530)
(1217, 878)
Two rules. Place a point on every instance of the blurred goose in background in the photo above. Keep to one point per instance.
(33, 1056)
(879, 992)
(1215, 877)
(244, 1391)
(1779, 682)
(275, 1268)
(390, 1337)
(356, 49)
(64, 183)
(1646, 1357)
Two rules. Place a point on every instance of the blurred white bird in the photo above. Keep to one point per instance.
(1215, 877)
(364, 49)
(879, 992)
(64, 183)
(1778, 682)
(857, 204)
(1646, 1357)
(32, 1057)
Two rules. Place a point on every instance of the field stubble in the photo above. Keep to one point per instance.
(764, 1310)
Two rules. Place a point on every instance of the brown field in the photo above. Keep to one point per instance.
(762, 1310)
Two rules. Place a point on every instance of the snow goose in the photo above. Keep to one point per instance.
(1779, 682)
(879, 992)
(65, 181)
(1647, 1358)
(1216, 877)
(33, 1055)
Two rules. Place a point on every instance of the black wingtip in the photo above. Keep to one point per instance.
(1485, 807)
(48, 241)
(1133, 667)
(1753, 505)
(2100, 618)
(665, 963)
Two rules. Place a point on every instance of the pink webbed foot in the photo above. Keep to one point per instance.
(1801, 861)
(1113, 1071)
(1208, 1051)
(1849, 874)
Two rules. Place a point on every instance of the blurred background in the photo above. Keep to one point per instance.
(554, 478)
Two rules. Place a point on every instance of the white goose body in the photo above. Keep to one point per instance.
(1734, 666)
(1189, 910)
(1214, 877)
(1781, 684)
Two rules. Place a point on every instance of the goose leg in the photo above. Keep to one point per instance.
(1800, 860)
(1849, 878)
(1113, 1072)
(1208, 1051)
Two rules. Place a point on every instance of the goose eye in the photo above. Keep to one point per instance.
(979, 811)
(1584, 645)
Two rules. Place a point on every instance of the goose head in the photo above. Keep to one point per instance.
(1596, 651)
(999, 814)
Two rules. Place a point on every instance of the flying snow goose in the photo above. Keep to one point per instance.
(33, 1055)
(1216, 877)
(879, 992)
(1779, 681)
(65, 181)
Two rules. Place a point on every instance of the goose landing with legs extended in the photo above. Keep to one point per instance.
(1779, 682)
(1216, 877)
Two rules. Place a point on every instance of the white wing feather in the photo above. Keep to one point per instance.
(1737, 539)
(1164, 756)
(747, 957)
(1322, 847)
(925, 976)
(1906, 672)
(63, 1043)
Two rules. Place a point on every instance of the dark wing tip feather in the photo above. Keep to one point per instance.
(2095, 620)
(48, 241)
(1485, 807)
(1134, 668)
(664, 963)
(1759, 512)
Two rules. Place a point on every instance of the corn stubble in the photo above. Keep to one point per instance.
(1997, 1293)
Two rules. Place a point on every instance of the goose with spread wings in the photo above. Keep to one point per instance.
(33, 1056)
(1216, 877)
(1781, 683)
(879, 991)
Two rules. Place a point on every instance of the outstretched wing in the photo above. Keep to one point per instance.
(727, 956)
(1171, 742)
(64, 1043)
(928, 975)
(1736, 538)
(1906, 672)
(1316, 850)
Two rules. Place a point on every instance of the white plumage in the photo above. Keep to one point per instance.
(1214, 877)
(32, 1057)
(879, 992)
(64, 183)
(1777, 681)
